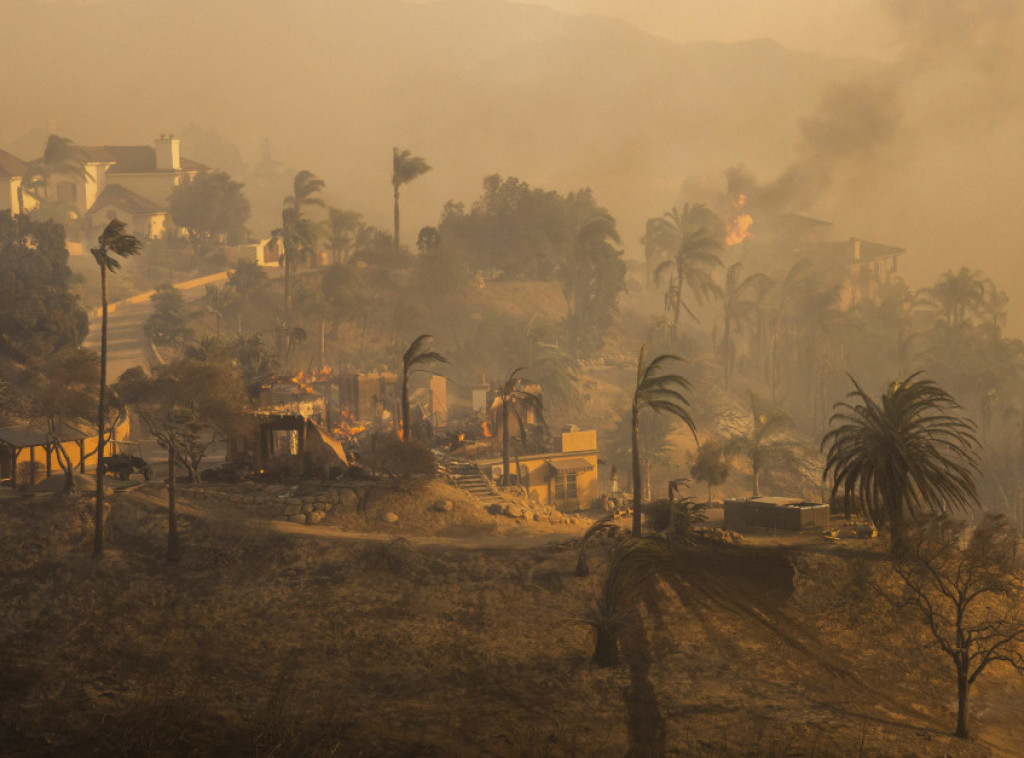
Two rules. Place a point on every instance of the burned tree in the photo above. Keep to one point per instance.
(967, 585)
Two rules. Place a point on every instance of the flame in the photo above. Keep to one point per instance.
(487, 430)
(739, 226)
(347, 426)
(306, 381)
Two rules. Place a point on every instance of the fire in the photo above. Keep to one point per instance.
(306, 381)
(739, 226)
(487, 430)
(347, 426)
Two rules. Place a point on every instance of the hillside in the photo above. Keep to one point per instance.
(282, 643)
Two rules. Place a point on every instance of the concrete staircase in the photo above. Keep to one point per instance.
(467, 477)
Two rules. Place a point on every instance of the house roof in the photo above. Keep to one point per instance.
(11, 165)
(125, 199)
(36, 436)
(133, 159)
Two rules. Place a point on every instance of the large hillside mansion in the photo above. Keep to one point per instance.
(131, 182)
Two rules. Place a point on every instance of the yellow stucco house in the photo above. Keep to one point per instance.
(565, 479)
(13, 171)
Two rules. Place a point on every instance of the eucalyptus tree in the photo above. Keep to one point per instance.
(689, 244)
(115, 244)
(404, 168)
(911, 452)
(661, 392)
(415, 359)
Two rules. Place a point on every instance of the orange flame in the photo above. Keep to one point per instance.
(739, 226)
(487, 430)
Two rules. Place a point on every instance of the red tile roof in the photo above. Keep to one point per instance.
(125, 199)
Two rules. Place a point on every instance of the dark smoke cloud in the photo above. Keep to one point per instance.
(960, 74)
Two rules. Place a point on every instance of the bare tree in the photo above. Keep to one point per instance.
(968, 587)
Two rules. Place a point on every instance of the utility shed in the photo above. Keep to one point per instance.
(791, 514)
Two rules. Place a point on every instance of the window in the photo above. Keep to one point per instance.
(564, 487)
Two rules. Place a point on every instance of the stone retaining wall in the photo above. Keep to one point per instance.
(305, 509)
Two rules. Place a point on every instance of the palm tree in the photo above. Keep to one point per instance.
(766, 443)
(518, 399)
(342, 228)
(740, 298)
(297, 233)
(404, 168)
(415, 359)
(59, 157)
(686, 238)
(218, 301)
(592, 276)
(958, 297)
(911, 452)
(114, 244)
(662, 393)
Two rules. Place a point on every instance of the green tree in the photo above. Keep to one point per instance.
(967, 586)
(958, 298)
(909, 453)
(114, 245)
(767, 442)
(39, 314)
(404, 168)
(184, 404)
(209, 205)
(689, 244)
(62, 388)
(168, 322)
(663, 393)
(711, 465)
(415, 359)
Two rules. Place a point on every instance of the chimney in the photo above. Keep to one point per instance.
(168, 155)
(855, 243)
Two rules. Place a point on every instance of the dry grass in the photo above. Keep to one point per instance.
(268, 644)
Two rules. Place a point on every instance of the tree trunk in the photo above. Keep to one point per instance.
(397, 240)
(679, 299)
(97, 545)
(963, 693)
(635, 430)
(405, 404)
(606, 649)
(173, 545)
(757, 479)
(505, 477)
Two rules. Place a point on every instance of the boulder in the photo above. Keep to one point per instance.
(495, 509)
(292, 509)
(316, 517)
(348, 501)
(443, 506)
(297, 518)
(307, 508)
(389, 517)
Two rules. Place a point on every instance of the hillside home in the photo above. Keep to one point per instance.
(13, 171)
(129, 182)
(565, 478)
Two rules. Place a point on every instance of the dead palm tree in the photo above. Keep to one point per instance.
(114, 244)
(663, 393)
(910, 453)
(414, 360)
(404, 168)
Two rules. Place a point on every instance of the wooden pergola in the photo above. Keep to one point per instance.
(36, 439)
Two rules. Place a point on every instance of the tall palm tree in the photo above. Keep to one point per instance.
(663, 393)
(518, 399)
(740, 298)
(414, 360)
(587, 274)
(114, 244)
(911, 452)
(690, 244)
(767, 443)
(298, 233)
(404, 168)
